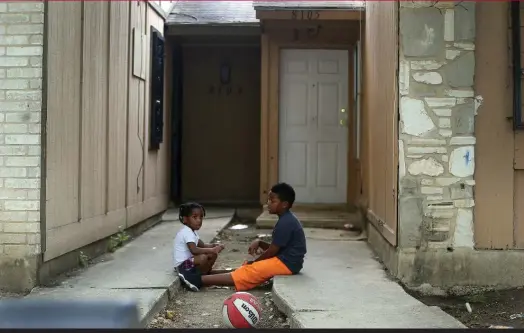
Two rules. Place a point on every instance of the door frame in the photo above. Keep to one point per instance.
(270, 113)
(176, 122)
(311, 54)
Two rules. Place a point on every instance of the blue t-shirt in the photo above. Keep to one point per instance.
(288, 235)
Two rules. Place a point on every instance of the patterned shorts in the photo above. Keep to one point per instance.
(186, 265)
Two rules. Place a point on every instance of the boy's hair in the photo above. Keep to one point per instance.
(285, 192)
(185, 210)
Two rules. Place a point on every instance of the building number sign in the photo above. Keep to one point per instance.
(305, 14)
(224, 90)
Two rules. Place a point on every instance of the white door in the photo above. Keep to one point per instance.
(313, 141)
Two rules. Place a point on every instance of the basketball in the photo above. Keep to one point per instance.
(241, 310)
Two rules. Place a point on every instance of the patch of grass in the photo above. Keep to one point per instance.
(83, 259)
(118, 240)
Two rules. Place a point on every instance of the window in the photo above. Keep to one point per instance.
(156, 130)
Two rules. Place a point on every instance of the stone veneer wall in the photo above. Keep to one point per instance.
(436, 130)
(21, 57)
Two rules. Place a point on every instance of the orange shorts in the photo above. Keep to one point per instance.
(247, 277)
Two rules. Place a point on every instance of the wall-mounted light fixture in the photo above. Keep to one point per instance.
(225, 73)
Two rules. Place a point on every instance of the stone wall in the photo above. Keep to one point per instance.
(21, 51)
(436, 130)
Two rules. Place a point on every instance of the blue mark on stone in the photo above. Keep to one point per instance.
(467, 158)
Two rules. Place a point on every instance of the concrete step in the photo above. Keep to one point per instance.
(310, 218)
(355, 293)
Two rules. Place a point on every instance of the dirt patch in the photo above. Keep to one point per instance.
(495, 309)
(204, 309)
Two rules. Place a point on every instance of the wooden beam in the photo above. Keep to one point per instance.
(274, 104)
(518, 163)
(264, 119)
(311, 15)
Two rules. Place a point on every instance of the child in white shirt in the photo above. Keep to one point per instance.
(192, 257)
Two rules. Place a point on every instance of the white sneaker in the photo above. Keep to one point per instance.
(188, 284)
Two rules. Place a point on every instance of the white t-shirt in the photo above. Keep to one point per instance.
(181, 252)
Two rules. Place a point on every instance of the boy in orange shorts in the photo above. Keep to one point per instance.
(284, 256)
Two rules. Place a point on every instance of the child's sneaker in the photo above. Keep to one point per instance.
(191, 278)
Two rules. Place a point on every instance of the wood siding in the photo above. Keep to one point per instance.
(99, 173)
(280, 34)
(380, 116)
(499, 191)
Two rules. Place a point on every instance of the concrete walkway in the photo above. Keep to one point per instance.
(141, 270)
(342, 286)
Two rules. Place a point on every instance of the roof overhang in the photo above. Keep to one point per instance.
(231, 13)
(244, 17)
(228, 29)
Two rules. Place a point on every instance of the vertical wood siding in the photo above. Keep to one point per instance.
(100, 174)
(380, 119)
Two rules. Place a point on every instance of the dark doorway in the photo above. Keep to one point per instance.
(216, 120)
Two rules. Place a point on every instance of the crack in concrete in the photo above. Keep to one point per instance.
(311, 310)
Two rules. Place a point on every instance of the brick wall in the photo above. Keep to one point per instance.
(21, 50)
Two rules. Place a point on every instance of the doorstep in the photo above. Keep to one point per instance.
(317, 216)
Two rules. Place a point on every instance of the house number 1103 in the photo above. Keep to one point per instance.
(305, 14)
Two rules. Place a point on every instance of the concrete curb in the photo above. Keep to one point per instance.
(284, 306)
(170, 293)
(161, 302)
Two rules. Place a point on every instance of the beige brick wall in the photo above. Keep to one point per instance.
(21, 50)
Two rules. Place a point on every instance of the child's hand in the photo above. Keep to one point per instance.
(217, 249)
(253, 248)
(219, 245)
